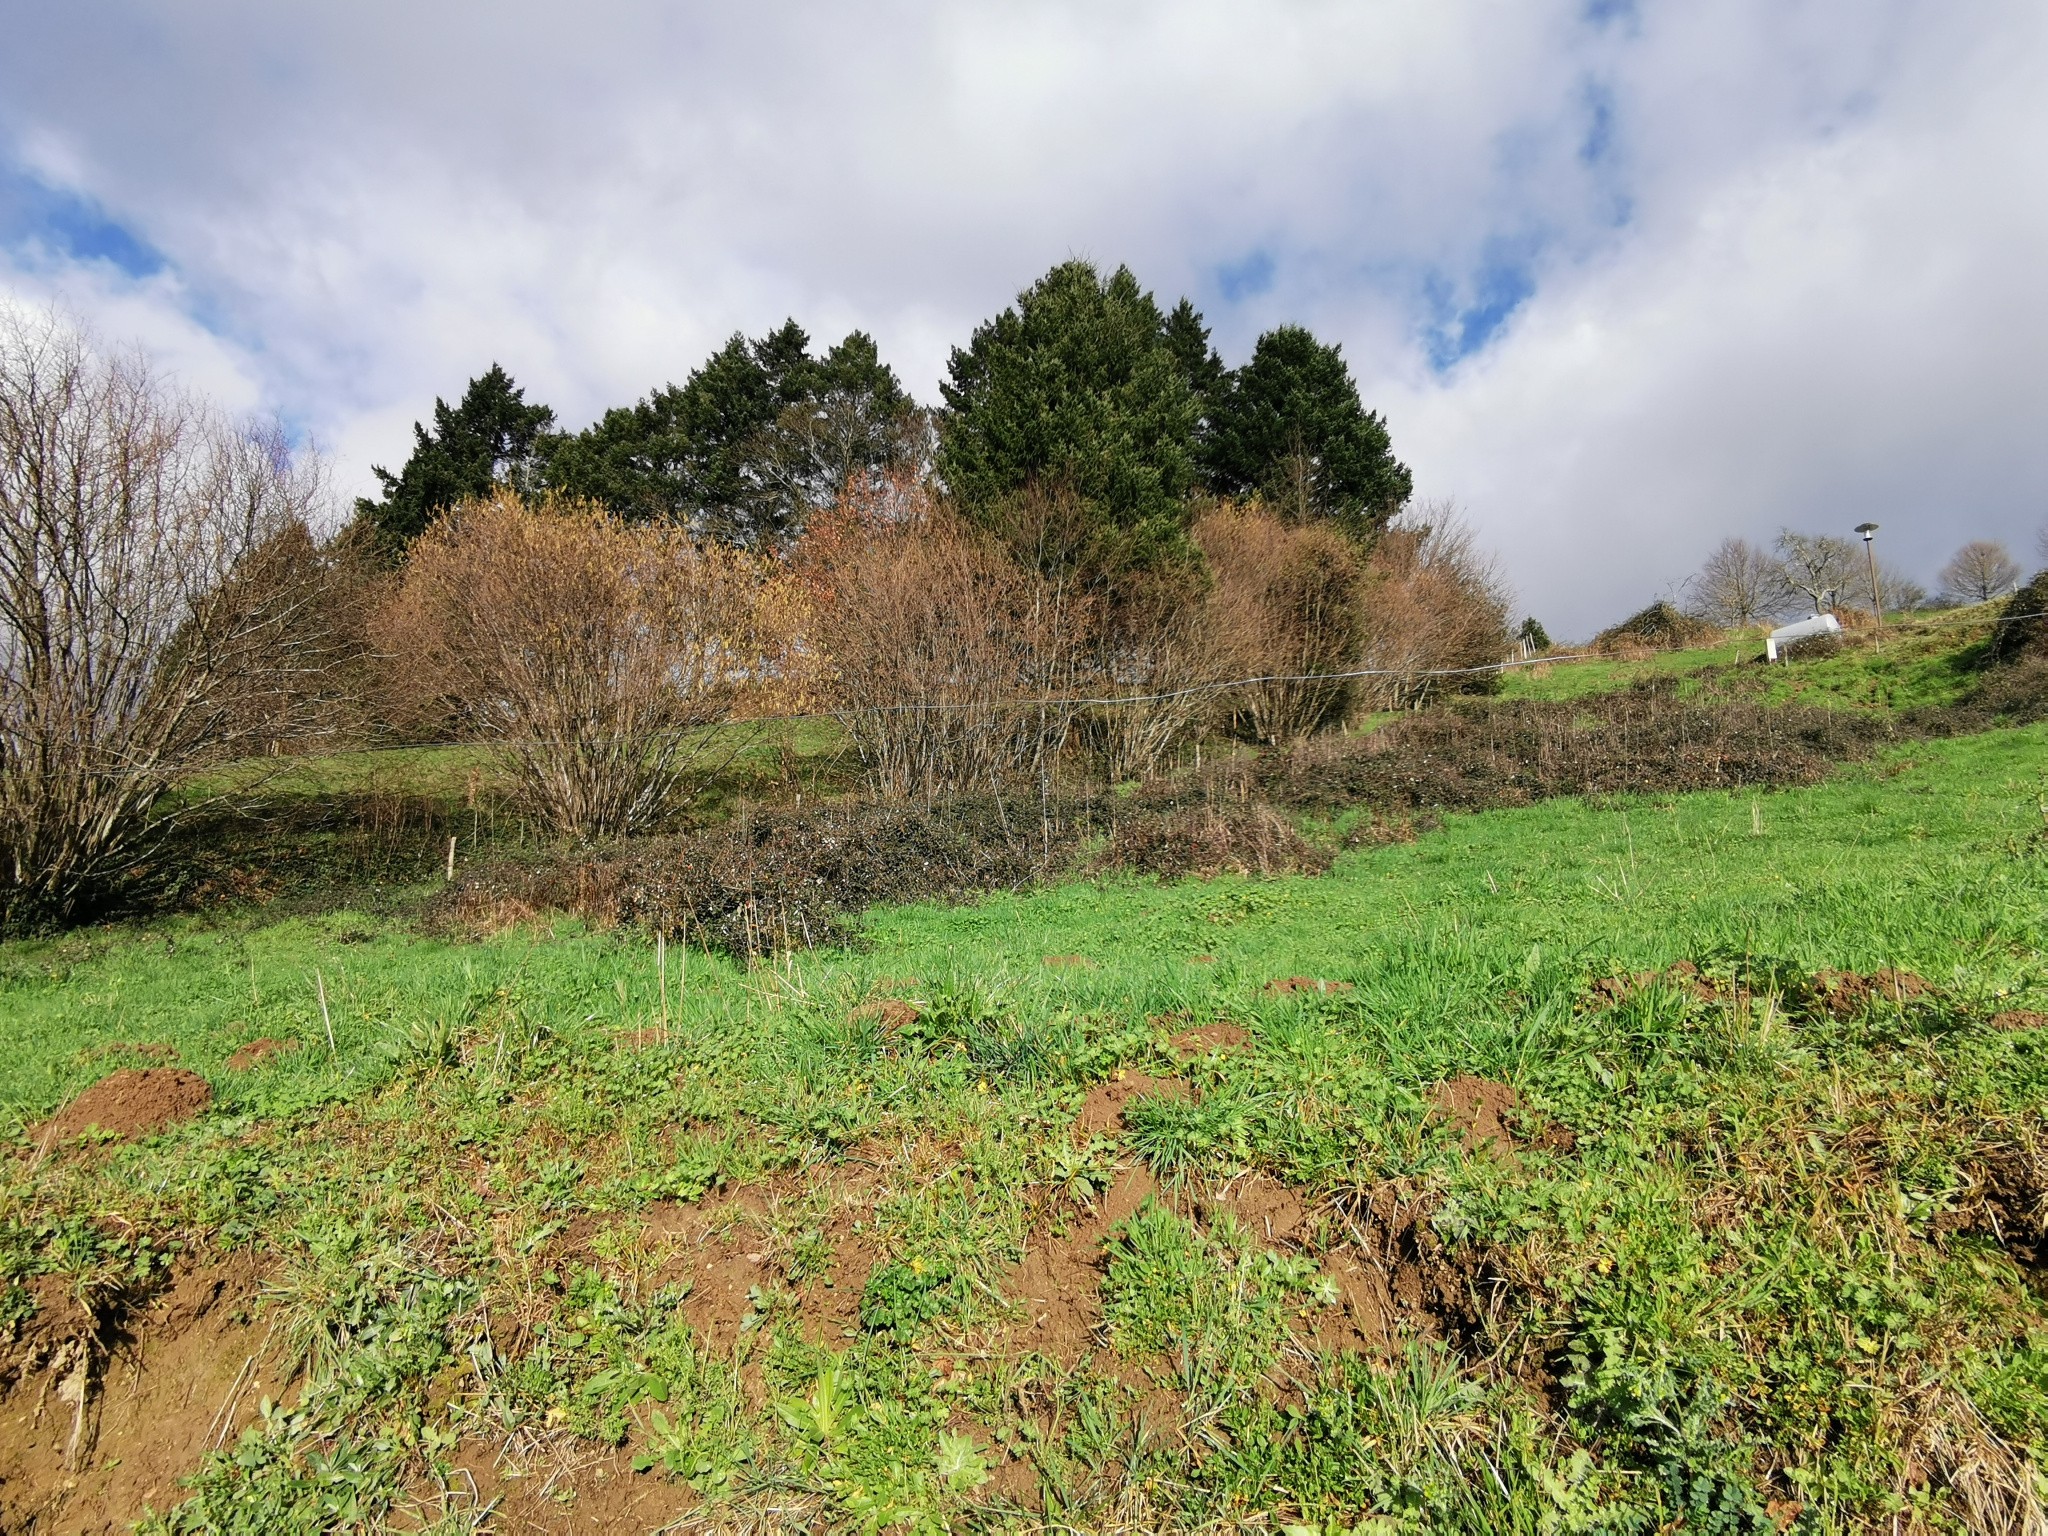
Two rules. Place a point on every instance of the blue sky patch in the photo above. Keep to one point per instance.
(32, 211)
(1246, 278)
(1466, 317)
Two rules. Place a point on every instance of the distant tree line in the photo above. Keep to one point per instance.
(1084, 388)
(1742, 585)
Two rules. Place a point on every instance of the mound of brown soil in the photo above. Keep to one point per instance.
(1479, 1109)
(1220, 1036)
(161, 1386)
(2019, 1018)
(132, 1102)
(1102, 1112)
(257, 1052)
(1288, 986)
(1845, 994)
(1058, 1284)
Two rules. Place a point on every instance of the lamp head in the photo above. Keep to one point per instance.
(1866, 529)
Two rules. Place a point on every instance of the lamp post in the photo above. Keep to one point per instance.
(1870, 551)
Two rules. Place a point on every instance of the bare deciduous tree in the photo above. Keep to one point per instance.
(592, 652)
(1979, 571)
(1740, 585)
(1434, 602)
(149, 589)
(1819, 567)
(1902, 594)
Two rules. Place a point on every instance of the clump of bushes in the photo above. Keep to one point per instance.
(1659, 627)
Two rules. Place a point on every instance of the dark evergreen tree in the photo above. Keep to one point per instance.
(743, 449)
(1290, 427)
(1074, 391)
(489, 437)
(1188, 339)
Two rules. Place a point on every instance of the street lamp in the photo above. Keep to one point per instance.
(1870, 550)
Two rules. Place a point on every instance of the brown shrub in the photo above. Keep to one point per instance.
(1659, 627)
(1433, 603)
(1212, 839)
(592, 652)
(930, 634)
(1645, 739)
(2022, 628)
(1286, 610)
(774, 879)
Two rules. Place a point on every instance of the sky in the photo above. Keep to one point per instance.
(1624, 277)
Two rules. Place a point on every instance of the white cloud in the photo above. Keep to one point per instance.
(1820, 298)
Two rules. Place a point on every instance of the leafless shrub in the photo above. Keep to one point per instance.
(1287, 608)
(152, 587)
(1739, 586)
(1978, 572)
(951, 666)
(1434, 602)
(592, 652)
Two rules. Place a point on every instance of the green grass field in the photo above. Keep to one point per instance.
(1749, 1261)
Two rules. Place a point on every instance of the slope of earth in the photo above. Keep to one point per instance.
(1627, 1165)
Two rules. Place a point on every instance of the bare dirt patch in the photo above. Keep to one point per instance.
(1102, 1112)
(1220, 1036)
(2019, 1018)
(1480, 1110)
(1263, 1206)
(131, 1102)
(1290, 985)
(162, 1386)
(1058, 1284)
(256, 1052)
(894, 1014)
(1845, 994)
(566, 1487)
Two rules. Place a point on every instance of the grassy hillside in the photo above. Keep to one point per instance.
(1630, 1165)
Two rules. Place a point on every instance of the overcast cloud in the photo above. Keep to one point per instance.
(1624, 278)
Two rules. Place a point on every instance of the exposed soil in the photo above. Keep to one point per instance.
(162, 1386)
(1220, 1036)
(2019, 1018)
(1102, 1112)
(893, 1013)
(258, 1051)
(1263, 1206)
(1059, 1282)
(1679, 976)
(566, 1487)
(131, 1102)
(1480, 1110)
(1429, 1289)
(1846, 994)
(1292, 984)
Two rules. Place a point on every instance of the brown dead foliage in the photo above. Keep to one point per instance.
(1645, 739)
(1213, 839)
